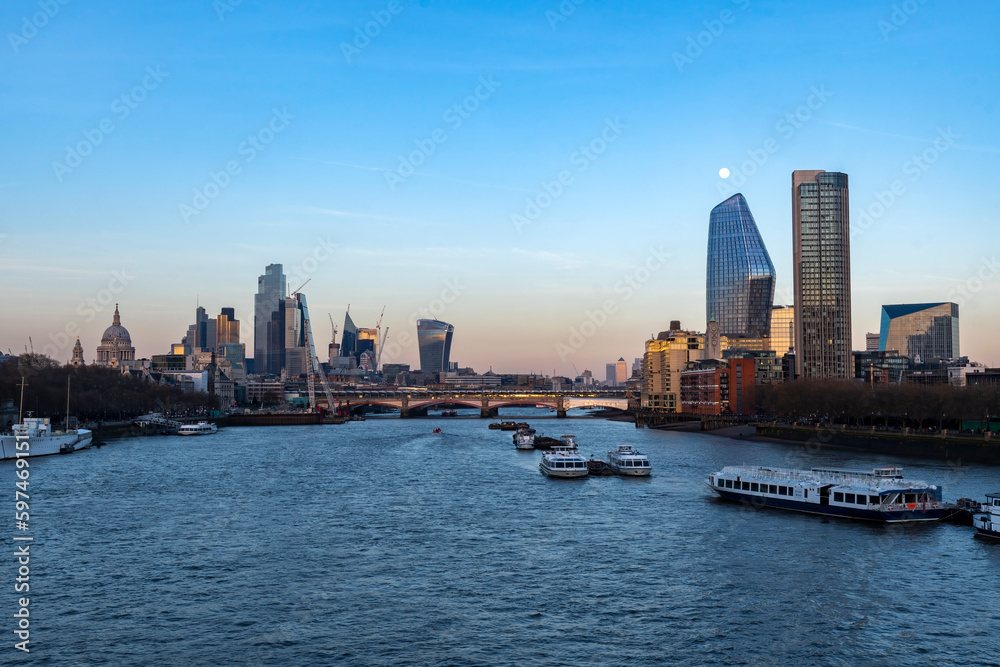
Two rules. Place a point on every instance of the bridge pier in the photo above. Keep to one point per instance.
(561, 408)
(404, 408)
(484, 408)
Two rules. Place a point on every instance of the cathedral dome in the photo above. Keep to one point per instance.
(116, 332)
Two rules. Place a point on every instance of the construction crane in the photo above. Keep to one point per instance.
(381, 346)
(301, 286)
(378, 338)
(317, 369)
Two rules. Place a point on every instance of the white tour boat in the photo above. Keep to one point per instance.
(988, 523)
(34, 437)
(626, 461)
(201, 428)
(524, 440)
(563, 463)
(881, 494)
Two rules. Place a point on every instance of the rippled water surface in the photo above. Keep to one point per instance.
(380, 543)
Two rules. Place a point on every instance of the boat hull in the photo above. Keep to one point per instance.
(632, 472)
(47, 445)
(894, 516)
(563, 473)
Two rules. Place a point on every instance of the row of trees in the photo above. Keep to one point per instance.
(892, 406)
(97, 392)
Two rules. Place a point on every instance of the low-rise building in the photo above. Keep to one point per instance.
(719, 388)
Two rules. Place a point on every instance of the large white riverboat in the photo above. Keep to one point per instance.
(987, 524)
(564, 461)
(881, 494)
(42, 440)
(626, 461)
(201, 428)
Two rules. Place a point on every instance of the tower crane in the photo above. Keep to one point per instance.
(378, 338)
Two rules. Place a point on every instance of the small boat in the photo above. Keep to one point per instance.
(524, 440)
(495, 426)
(201, 428)
(437, 431)
(881, 494)
(988, 523)
(569, 441)
(626, 461)
(563, 464)
(511, 426)
(599, 467)
(449, 413)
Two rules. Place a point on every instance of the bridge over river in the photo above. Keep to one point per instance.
(412, 401)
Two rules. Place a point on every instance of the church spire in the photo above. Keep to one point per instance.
(118, 319)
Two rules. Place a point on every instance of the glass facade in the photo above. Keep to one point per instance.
(740, 277)
(268, 321)
(821, 241)
(349, 339)
(434, 341)
(921, 331)
(782, 339)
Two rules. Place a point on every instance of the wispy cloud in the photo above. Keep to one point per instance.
(923, 140)
(351, 165)
(343, 164)
(382, 219)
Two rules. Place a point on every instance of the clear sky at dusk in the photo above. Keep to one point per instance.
(527, 163)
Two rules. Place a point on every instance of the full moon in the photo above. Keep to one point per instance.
(724, 172)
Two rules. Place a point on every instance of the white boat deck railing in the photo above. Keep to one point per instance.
(870, 481)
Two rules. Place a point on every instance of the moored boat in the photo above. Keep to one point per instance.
(987, 524)
(563, 464)
(34, 436)
(524, 440)
(881, 494)
(569, 442)
(599, 468)
(626, 461)
(201, 428)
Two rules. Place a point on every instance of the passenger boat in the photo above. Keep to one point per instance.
(449, 413)
(34, 436)
(569, 442)
(881, 494)
(201, 428)
(563, 463)
(512, 426)
(626, 461)
(988, 523)
(524, 440)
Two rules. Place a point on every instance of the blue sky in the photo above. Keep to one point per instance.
(663, 97)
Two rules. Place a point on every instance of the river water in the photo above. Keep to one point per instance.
(380, 543)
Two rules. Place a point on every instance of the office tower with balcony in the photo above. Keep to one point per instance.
(434, 340)
(821, 247)
(740, 276)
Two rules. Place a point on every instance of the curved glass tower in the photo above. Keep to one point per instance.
(434, 341)
(740, 280)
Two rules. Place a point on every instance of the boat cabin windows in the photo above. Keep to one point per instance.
(754, 486)
(838, 497)
(874, 500)
(849, 498)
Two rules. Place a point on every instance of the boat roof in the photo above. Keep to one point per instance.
(993, 495)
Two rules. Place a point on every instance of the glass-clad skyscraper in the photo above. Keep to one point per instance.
(349, 339)
(434, 341)
(821, 249)
(268, 322)
(740, 277)
(924, 331)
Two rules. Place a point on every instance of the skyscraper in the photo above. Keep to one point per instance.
(349, 340)
(434, 341)
(921, 331)
(782, 338)
(227, 327)
(740, 276)
(268, 322)
(821, 242)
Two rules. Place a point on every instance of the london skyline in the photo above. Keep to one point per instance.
(638, 119)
